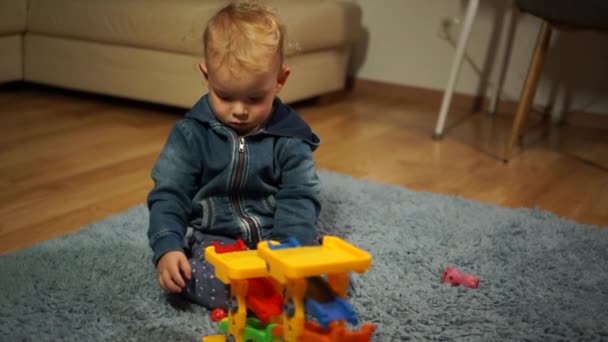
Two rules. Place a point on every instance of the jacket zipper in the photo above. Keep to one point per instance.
(252, 229)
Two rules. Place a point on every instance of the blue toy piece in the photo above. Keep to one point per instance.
(335, 310)
(290, 243)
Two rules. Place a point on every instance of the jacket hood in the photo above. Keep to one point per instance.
(284, 121)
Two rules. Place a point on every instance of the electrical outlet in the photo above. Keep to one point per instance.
(448, 27)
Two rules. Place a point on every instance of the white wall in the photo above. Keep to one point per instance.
(402, 44)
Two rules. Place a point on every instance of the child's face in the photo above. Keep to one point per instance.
(243, 101)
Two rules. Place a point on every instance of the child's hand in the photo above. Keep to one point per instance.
(170, 268)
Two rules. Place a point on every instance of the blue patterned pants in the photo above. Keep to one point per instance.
(204, 288)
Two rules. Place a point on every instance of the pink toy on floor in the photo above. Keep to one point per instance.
(453, 276)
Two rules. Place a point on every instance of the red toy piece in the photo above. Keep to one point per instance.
(239, 245)
(453, 276)
(263, 300)
(218, 314)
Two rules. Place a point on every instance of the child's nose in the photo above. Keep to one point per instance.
(241, 116)
(240, 111)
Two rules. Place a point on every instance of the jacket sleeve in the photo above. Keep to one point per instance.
(298, 199)
(175, 176)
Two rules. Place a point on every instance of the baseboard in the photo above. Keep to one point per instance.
(425, 95)
(460, 101)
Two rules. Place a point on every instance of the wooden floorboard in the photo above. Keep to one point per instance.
(68, 159)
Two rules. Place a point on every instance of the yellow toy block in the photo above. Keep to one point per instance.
(214, 338)
(238, 265)
(333, 256)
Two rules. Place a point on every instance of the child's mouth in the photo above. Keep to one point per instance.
(239, 126)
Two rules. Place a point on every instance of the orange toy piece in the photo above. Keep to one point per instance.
(336, 333)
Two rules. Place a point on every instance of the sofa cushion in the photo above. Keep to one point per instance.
(177, 25)
(12, 17)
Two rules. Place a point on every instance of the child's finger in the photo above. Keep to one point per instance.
(170, 284)
(176, 277)
(184, 265)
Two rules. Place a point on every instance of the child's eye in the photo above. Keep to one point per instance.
(255, 99)
(224, 98)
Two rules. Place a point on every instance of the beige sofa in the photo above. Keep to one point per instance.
(149, 49)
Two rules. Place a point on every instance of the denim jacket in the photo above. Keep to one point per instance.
(257, 187)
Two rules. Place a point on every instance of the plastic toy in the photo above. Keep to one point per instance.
(323, 304)
(218, 314)
(335, 310)
(277, 282)
(290, 243)
(263, 299)
(214, 338)
(337, 333)
(453, 276)
(239, 245)
(254, 330)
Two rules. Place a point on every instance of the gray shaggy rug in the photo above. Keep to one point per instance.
(543, 278)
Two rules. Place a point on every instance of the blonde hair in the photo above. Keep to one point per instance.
(244, 36)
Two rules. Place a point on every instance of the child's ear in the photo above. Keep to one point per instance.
(282, 78)
(203, 68)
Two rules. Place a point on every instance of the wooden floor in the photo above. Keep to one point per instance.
(68, 159)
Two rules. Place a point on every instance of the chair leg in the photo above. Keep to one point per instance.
(469, 17)
(507, 38)
(529, 89)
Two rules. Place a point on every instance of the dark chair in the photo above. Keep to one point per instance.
(578, 14)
